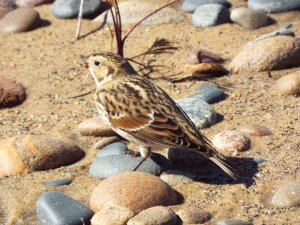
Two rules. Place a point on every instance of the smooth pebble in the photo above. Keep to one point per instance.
(173, 177)
(209, 93)
(95, 127)
(193, 215)
(274, 6)
(287, 195)
(190, 6)
(32, 3)
(255, 130)
(117, 148)
(288, 84)
(11, 92)
(58, 182)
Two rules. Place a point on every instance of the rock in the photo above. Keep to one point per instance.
(30, 153)
(134, 190)
(274, 6)
(210, 15)
(200, 112)
(117, 148)
(289, 84)
(193, 215)
(256, 130)
(95, 127)
(204, 56)
(250, 19)
(68, 9)
(288, 195)
(279, 52)
(113, 215)
(232, 222)
(59, 182)
(32, 3)
(184, 157)
(106, 166)
(6, 6)
(173, 177)
(230, 142)
(20, 20)
(56, 208)
(135, 10)
(157, 215)
(11, 92)
(209, 93)
(190, 6)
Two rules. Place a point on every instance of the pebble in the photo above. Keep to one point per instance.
(134, 190)
(274, 6)
(68, 9)
(30, 153)
(20, 20)
(58, 182)
(200, 112)
(232, 222)
(32, 3)
(193, 215)
(255, 130)
(204, 56)
(11, 92)
(173, 177)
(209, 93)
(210, 15)
(112, 215)
(289, 84)
(249, 18)
(190, 6)
(157, 215)
(117, 148)
(95, 127)
(278, 52)
(203, 68)
(56, 208)
(6, 6)
(230, 142)
(288, 195)
(184, 157)
(134, 10)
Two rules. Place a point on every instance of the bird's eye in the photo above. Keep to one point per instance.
(97, 63)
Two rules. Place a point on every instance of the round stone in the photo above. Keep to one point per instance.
(20, 20)
(58, 182)
(95, 127)
(288, 195)
(117, 148)
(289, 84)
(273, 6)
(256, 130)
(173, 177)
(193, 215)
(6, 6)
(134, 190)
(31, 3)
(11, 92)
(112, 215)
(191, 5)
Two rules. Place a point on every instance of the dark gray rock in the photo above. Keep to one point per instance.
(191, 5)
(56, 208)
(58, 182)
(67, 9)
(209, 93)
(274, 6)
(232, 222)
(117, 148)
(210, 15)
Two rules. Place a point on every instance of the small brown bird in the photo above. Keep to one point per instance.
(143, 113)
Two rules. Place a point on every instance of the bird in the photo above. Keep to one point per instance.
(143, 113)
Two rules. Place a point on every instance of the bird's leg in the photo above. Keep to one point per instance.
(145, 153)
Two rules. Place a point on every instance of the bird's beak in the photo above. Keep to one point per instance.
(85, 64)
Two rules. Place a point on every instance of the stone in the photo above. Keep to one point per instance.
(68, 9)
(200, 112)
(11, 92)
(20, 20)
(255, 130)
(6, 6)
(58, 182)
(275, 53)
(288, 84)
(287, 195)
(249, 18)
(173, 177)
(113, 215)
(210, 15)
(203, 68)
(32, 3)
(134, 190)
(185, 157)
(95, 127)
(29, 153)
(190, 6)
(157, 215)
(232, 222)
(274, 6)
(134, 10)
(229, 142)
(193, 215)
(203, 56)
(117, 148)
(56, 208)
(209, 93)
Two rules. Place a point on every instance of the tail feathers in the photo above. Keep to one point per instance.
(232, 171)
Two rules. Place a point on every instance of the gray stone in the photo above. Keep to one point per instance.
(173, 177)
(274, 6)
(67, 9)
(191, 5)
(232, 222)
(209, 93)
(288, 195)
(58, 182)
(200, 112)
(117, 148)
(56, 208)
(210, 15)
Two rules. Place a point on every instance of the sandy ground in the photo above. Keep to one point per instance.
(46, 62)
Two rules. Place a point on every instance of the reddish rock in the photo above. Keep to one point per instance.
(11, 92)
(95, 127)
(6, 6)
(289, 84)
(32, 3)
(204, 56)
(193, 215)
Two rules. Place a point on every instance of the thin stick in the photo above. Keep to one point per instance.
(79, 20)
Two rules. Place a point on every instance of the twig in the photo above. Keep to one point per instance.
(84, 94)
(79, 20)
